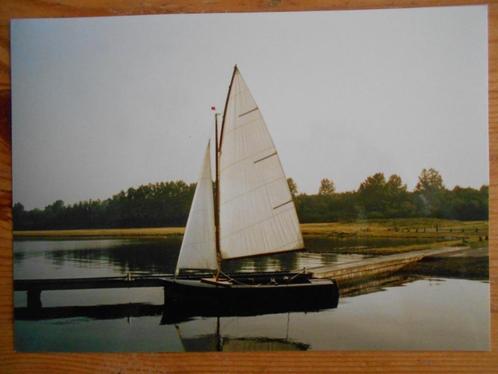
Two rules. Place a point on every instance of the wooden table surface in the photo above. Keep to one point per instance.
(264, 362)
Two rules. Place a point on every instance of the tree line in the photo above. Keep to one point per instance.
(168, 204)
(381, 197)
(151, 205)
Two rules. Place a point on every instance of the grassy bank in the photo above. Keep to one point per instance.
(400, 228)
(385, 228)
(104, 233)
(435, 233)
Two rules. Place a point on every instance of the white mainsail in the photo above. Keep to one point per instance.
(257, 213)
(198, 250)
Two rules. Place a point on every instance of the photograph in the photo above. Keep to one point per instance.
(278, 181)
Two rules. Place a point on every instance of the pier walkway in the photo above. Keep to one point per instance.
(372, 266)
(34, 287)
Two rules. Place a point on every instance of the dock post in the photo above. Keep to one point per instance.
(34, 298)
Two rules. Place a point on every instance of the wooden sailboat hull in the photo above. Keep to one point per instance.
(196, 297)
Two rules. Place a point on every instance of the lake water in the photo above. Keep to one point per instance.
(420, 314)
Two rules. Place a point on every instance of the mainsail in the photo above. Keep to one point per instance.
(198, 250)
(257, 213)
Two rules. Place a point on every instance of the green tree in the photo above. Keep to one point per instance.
(398, 201)
(18, 216)
(292, 187)
(327, 187)
(395, 185)
(431, 194)
(429, 181)
(56, 206)
(468, 203)
(372, 195)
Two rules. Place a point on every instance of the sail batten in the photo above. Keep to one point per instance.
(249, 111)
(198, 250)
(252, 190)
(225, 167)
(257, 213)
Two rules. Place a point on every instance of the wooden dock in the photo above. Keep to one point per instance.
(373, 266)
(34, 287)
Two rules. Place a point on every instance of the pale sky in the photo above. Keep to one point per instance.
(103, 104)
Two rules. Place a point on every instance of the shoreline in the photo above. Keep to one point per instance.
(423, 228)
(152, 232)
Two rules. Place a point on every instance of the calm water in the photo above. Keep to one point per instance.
(425, 314)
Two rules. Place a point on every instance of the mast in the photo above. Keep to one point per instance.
(225, 110)
(217, 182)
(217, 197)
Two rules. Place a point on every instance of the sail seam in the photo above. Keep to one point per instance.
(254, 224)
(252, 190)
(234, 128)
(243, 159)
(264, 158)
(242, 90)
(200, 210)
(283, 248)
(249, 111)
(194, 243)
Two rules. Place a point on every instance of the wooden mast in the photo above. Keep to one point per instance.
(226, 105)
(217, 197)
(217, 182)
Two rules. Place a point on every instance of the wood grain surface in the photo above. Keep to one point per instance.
(265, 362)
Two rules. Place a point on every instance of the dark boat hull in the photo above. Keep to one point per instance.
(194, 297)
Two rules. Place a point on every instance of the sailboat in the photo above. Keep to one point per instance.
(249, 212)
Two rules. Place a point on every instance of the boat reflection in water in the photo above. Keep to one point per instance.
(180, 313)
(217, 342)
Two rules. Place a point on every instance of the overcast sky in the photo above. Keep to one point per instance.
(103, 104)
